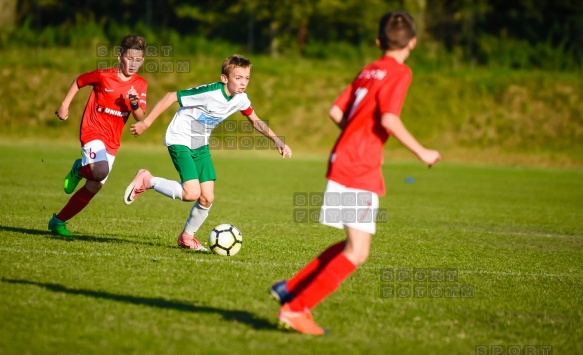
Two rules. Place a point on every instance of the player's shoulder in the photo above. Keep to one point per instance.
(242, 96)
(202, 89)
(394, 65)
(106, 71)
(387, 68)
(104, 74)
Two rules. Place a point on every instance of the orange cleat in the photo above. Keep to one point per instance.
(301, 322)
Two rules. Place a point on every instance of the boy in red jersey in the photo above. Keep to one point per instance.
(117, 93)
(368, 112)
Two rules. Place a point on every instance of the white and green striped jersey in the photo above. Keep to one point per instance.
(201, 109)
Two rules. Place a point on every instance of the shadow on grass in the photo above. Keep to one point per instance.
(230, 315)
(86, 238)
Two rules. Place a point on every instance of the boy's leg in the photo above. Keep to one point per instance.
(186, 239)
(199, 212)
(285, 291)
(296, 314)
(186, 190)
(335, 271)
(357, 215)
(339, 203)
(320, 279)
(96, 164)
(144, 181)
(93, 166)
(182, 160)
(79, 200)
(169, 188)
(297, 283)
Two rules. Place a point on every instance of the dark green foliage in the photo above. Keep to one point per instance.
(511, 34)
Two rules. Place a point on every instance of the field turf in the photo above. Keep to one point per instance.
(468, 259)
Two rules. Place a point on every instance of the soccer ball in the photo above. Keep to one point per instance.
(225, 240)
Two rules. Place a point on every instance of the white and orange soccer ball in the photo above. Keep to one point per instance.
(225, 240)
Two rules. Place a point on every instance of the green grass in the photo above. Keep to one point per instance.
(123, 287)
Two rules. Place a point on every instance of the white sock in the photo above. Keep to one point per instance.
(170, 188)
(198, 214)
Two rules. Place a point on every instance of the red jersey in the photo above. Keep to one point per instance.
(108, 107)
(357, 156)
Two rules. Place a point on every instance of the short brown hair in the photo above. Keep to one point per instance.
(132, 42)
(396, 29)
(234, 61)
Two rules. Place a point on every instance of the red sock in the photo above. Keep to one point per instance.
(76, 204)
(86, 172)
(325, 282)
(296, 284)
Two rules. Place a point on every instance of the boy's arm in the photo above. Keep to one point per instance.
(161, 106)
(262, 128)
(337, 115)
(134, 97)
(395, 126)
(338, 108)
(63, 110)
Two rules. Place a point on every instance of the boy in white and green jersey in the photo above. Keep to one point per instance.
(201, 110)
(187, 137)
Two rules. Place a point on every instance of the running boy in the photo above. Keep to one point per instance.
(368, 112)
(201, 110)
(117, 93)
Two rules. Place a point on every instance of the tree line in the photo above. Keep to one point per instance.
(518, 33)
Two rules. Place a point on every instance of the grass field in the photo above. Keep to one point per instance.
(512, 239)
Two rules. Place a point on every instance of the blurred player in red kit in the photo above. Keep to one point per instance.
(368, 112)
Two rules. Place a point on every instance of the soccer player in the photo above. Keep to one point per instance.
(367, 112)
(117, 93)
(201, 109)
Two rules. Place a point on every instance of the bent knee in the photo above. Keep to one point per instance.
(206, 200)
(100, 171)
(99, 175)
(190, 196)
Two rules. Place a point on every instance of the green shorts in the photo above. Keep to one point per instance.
(193, 164)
